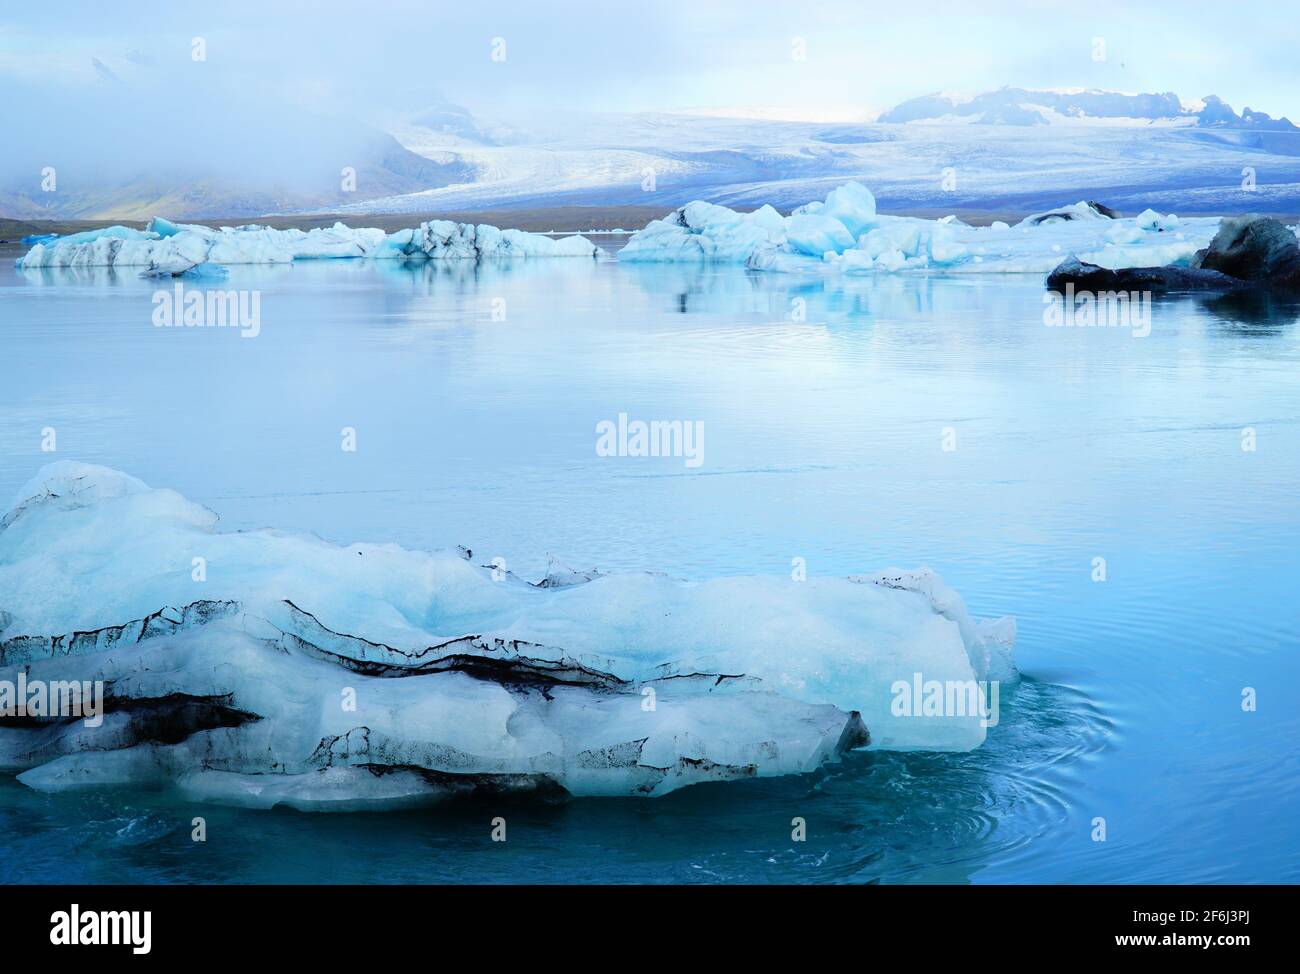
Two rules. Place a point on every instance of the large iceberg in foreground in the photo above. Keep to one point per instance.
(265, 668)
(845, 234)
(169, 248)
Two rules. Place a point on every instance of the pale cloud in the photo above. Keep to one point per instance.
(391, 56)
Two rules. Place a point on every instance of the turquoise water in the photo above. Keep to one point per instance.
(825, 408)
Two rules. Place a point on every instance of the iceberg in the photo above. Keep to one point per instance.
(844, 234)
(706, 231)
(166, 248)
(264, 668)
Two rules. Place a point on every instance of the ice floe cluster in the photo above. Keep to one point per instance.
(842, 234)
(266, 668)
(846, 234)
(166, 248)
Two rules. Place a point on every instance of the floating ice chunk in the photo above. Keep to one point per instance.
(705, 231)
(445, 240)
(586, 684)
(811, 240)
(170, 248)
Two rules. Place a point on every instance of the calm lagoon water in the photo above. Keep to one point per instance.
(823, 441)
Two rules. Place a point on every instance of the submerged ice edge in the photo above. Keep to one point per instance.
(265, 668)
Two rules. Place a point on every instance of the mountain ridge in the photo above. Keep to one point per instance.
(1027, 106)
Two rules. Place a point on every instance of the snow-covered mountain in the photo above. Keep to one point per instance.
(1022, 106)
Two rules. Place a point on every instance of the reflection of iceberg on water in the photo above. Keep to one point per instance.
(264, 668)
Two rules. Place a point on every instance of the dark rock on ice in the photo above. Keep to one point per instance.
(1253, 248)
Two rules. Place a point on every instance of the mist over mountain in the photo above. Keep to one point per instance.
(114, 148)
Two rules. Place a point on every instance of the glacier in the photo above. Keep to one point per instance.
(844, 234)
(1015, 151)
(264, 668)
(164, 247)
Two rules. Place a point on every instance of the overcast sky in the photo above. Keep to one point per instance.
(384, 56)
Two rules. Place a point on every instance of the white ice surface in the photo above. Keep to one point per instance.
(455, 673)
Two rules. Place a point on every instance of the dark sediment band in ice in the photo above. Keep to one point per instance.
(298, 673)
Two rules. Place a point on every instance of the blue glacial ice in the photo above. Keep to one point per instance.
(844, 234)
(289, 670)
